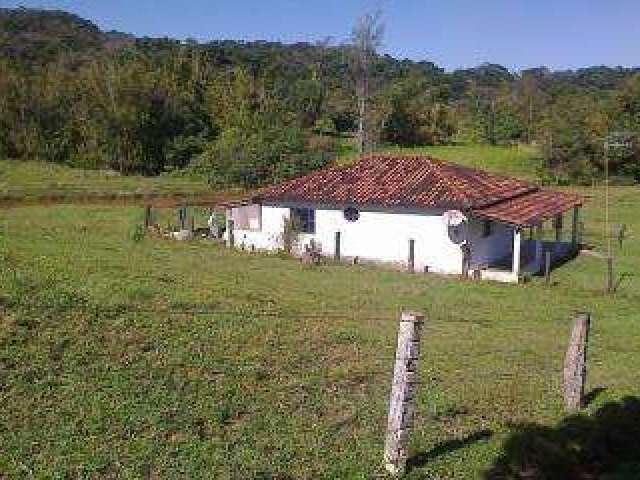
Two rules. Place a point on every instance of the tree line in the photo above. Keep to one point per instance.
(249, 113)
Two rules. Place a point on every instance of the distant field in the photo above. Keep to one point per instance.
(32, 180)
(520, 161)
(157, 359)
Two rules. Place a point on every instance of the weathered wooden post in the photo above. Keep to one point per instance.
(337, 247)
(412, 252)
(621, 234)
(574, 227)
(466, 254)
(557, 225)
(232, 241)
(182, 217)
(403, 392)
(575, 363)
(147, 216)
(610, 287)
(193, 224)
(547, 267)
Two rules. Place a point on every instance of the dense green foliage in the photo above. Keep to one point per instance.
(250, 113)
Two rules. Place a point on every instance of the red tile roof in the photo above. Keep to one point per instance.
(418, 182)
(530, 209)
(406, 181)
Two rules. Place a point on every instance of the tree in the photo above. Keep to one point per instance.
(366, 39)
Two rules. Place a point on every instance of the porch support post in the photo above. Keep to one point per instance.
(539, 253)
(557, 223)
(517, 234)
(574, 227)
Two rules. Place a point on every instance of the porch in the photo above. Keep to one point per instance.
(529, 244)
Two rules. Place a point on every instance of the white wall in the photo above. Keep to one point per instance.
(376, 235)
(270, 236)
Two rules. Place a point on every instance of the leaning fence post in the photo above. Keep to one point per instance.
(575, 363)
(412, 253)
(337, 247)
(403, 391)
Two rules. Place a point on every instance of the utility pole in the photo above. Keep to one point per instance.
(616, 139)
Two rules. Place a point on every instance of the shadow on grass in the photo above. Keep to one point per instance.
(590, 397)
(603, 445)
(421, 459)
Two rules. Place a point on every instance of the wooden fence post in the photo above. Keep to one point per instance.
(412, 253)
(609, 274)
(547, 267)
(466, 253)
(182, 217)
(575, 363)
(403, 391)
(147, 216)
(621, 233)
(337, 247)
(230, 230)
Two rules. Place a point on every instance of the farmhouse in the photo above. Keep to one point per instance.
(416, 212)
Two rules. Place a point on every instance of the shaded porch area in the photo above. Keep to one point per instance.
(528, 219)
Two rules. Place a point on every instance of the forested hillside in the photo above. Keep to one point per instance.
(249, 113)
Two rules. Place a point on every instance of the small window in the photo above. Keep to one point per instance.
(304, 219)
(487, 228)
(247, 217)
(351, 214)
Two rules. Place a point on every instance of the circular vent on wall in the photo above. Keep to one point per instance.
(351, 214)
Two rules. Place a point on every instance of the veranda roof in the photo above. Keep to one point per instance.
(530, 209)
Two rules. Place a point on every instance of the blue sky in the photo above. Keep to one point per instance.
(452, 33)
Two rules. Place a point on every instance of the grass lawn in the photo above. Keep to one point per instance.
(520, 161)
(33, 180)
(158, 359)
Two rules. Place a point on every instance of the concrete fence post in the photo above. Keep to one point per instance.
(403, 393)
(575, 363)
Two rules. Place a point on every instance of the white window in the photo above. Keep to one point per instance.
(247, 217)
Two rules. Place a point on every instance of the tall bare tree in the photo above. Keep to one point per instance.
(366, 39)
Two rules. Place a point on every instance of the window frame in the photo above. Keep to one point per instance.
(306, 218)
(236, 213)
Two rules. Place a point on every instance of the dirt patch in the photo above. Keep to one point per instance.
(155, 200)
